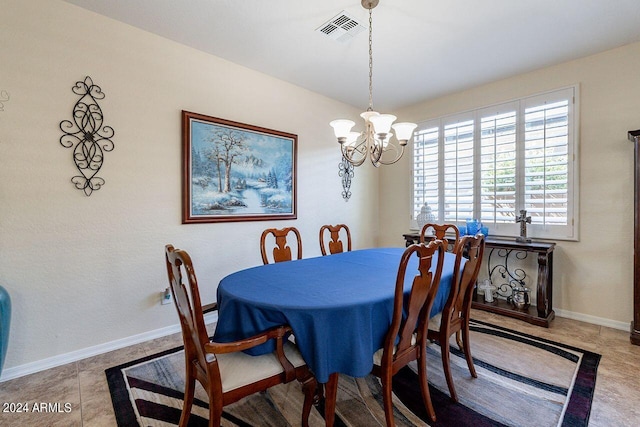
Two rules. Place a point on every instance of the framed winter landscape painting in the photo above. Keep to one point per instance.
(236, 172)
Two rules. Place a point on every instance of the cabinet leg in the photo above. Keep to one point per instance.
(543, 284)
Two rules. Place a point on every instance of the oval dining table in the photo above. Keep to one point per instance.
(339, 307)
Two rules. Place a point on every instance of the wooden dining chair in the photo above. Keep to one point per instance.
(406, 339)
(454, 318)
(440, 231)
(282, 251)
(335, 245)
(224, 371)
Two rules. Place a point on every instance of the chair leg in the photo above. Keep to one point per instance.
(387, 398)
(215, 410)
(189, 389)
(467, 349)
(309, 388)
(459, 341)
(424, 386)
(446, 366)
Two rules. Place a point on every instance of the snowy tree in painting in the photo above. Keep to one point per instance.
(240, 172)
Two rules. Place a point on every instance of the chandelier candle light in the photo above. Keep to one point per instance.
(375, 140)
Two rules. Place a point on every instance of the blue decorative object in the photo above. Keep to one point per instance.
(5, 322)
(484, 230)
(473, 226)
(463, 230)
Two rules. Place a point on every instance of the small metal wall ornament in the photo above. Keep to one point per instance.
(87, 135)
(4, 97)
(345, 171)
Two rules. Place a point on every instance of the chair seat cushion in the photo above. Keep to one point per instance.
(435, 321)
(238, 369)
(377, 356)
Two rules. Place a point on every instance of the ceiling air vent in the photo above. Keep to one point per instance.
(342, 27)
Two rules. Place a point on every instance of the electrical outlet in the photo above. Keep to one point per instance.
(166, 297)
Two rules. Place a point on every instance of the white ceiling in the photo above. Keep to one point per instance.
(421, 48)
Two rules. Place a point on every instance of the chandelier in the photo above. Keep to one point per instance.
(375, 140)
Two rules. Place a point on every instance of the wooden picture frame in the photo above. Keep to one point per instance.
(236, 172)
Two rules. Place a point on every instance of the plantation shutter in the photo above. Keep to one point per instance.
(547, 162)
(425, 169)
(492, 162)
(498, 178)
(458, 171)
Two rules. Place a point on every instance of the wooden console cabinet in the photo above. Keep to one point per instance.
(542, 313)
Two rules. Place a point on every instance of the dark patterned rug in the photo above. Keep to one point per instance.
(522, 381)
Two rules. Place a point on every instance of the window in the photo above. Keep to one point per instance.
(493, 162)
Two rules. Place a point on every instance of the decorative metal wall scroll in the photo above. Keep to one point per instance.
(87, 135)
(4, 97)
(345, 171)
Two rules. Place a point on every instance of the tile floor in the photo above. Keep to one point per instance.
(77, 394)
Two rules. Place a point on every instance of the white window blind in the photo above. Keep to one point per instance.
(492, 162)
(426, 169)
(458, 189)
(498, 180)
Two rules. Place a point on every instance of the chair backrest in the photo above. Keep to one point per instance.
(412, 314)
(335, 244)
(459, 301)
(281, 252)
(187, 302)
(439, 232)
(203, 357)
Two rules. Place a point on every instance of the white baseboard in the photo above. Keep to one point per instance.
(593, 319)
(74, 356)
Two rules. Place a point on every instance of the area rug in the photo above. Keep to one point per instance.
(522, 381)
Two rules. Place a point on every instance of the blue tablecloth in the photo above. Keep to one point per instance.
(339, 306)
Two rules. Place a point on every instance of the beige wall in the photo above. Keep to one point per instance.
(593, 277)
(84, 272)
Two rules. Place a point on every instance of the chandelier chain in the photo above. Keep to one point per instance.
(370, 60)
(375, 141)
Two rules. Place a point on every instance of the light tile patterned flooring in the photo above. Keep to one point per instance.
(83, 384)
